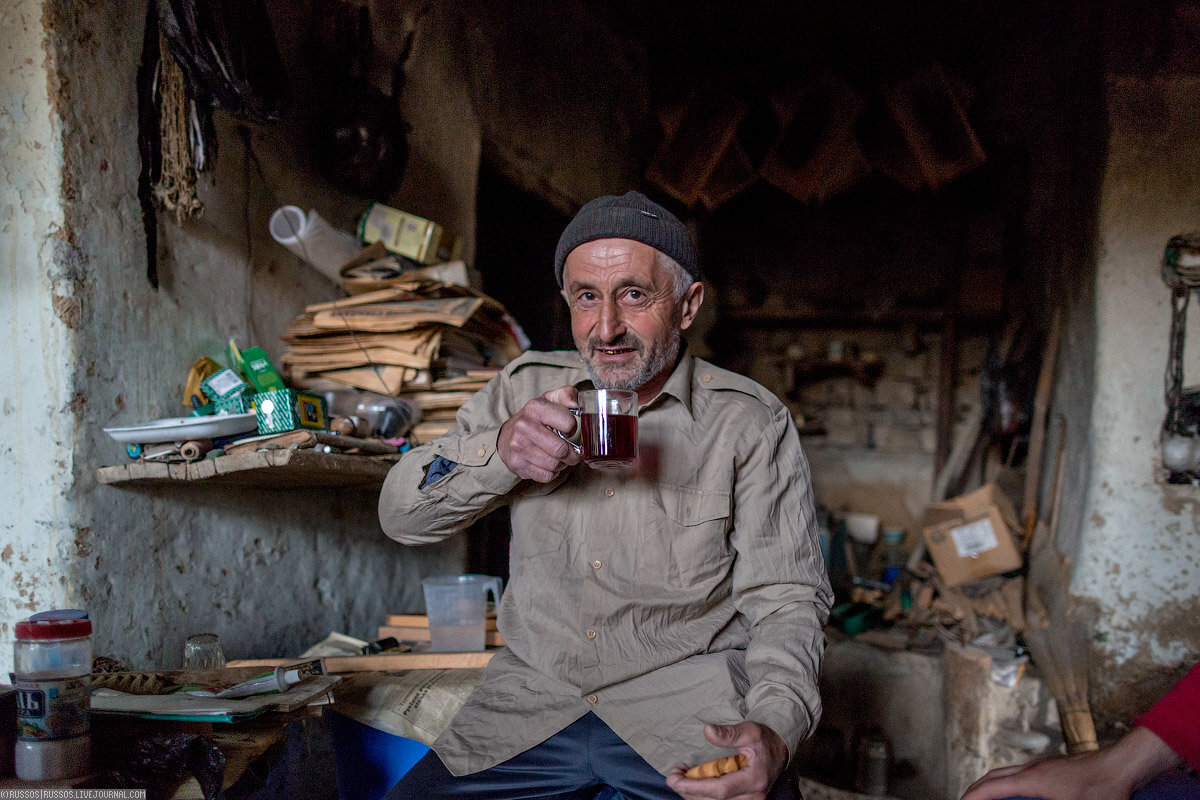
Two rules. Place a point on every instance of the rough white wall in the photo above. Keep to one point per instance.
(37, 341)
(1139, 558)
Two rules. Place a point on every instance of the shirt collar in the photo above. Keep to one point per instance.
(678, 385)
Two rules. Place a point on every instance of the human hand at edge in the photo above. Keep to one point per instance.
(766, 756)
(1111, 773)
(529, 447)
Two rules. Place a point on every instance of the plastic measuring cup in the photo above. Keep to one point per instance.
(457, 610)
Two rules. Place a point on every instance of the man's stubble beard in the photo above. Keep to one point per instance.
(652, 363)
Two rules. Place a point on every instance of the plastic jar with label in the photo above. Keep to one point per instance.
(53, 664)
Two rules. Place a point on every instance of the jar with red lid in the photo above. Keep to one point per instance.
(53, 664)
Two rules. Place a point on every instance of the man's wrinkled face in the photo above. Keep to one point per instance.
(624, 317)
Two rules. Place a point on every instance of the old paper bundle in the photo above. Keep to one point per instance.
(433, 343)
(415, 704)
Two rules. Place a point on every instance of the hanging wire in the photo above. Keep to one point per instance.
(1181, 272)
(353, 334)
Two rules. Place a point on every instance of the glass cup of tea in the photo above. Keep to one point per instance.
(608, 426)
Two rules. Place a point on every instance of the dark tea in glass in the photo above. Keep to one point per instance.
(608, 428)
(609, 440)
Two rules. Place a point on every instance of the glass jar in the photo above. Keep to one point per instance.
(52, 670)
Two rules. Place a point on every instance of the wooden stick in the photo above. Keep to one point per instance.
(1037, 431)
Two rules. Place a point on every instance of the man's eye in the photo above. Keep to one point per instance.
(586, 297)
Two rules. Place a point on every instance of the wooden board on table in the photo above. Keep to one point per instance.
(384, 662)
(422, 621)
(417, 633)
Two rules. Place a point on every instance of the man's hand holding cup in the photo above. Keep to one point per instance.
(528, 443)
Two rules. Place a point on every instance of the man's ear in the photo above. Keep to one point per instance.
(563, 292)
(689, 305)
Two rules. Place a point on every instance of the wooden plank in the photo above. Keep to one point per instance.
(384, 662)
(417, 633)
(946, 392)
(275, 469)
(420, 620)
(1037, 430)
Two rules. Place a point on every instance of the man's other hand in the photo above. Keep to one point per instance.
(529, 447)
(766, 756)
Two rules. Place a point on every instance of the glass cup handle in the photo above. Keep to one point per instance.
(574, 446)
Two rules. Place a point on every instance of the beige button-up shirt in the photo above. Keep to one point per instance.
(689, 590)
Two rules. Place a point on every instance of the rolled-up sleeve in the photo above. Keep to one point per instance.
(779, 582)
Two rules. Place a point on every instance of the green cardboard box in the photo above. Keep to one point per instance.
(224, 383)
(284, 410)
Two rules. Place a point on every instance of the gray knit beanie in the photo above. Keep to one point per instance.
(630, 216)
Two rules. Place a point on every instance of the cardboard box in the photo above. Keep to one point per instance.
(284, 410)
(421, 240)
(972, 536)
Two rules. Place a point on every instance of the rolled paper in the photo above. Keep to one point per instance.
(325, 248)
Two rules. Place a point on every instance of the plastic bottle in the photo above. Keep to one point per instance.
(873, 757)
(893, 554)
(53, 663)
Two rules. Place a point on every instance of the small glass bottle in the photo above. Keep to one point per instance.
(893, 554)
(53, 664)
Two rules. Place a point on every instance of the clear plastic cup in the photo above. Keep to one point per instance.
(457, 610)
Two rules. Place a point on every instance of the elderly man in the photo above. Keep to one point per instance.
(654, 618)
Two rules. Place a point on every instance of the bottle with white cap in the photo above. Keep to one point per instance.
(53, 664)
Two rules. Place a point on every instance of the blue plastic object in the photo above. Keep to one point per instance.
(369, 761)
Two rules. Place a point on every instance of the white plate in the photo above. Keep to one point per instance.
(177, 429)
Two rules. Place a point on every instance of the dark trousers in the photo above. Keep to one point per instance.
(583, 761)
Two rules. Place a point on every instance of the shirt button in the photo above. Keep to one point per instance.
(591, 634)
(593, 699)
(597, 564)
(482, 452)
(706, 377)
(609, 492)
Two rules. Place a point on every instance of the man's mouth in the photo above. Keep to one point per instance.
(615, 351)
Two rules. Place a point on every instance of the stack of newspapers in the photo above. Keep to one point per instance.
(431, 343)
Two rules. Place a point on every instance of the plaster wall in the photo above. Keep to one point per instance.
(95, 345)
(36, 339)
(1139, 554)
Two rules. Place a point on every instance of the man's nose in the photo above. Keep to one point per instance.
(612, 323)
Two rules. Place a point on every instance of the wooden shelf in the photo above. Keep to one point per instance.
(267, 469)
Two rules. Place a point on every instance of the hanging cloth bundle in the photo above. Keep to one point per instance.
(197, 55)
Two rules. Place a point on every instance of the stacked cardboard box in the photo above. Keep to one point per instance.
(427, 341)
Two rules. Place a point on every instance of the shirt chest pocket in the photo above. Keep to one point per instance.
(696, 535)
